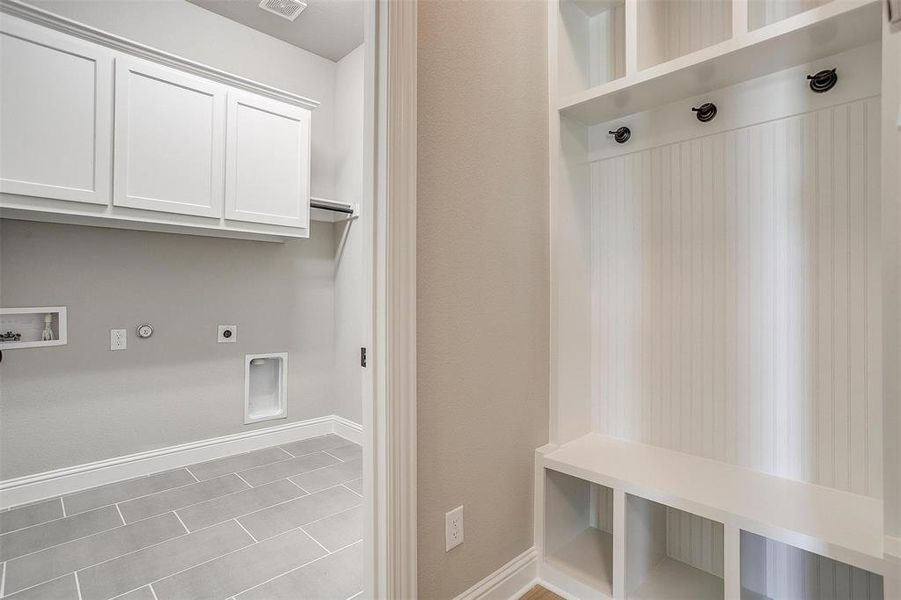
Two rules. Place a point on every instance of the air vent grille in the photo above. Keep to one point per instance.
(287, 9)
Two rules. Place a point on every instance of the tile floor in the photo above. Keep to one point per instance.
(282, 522)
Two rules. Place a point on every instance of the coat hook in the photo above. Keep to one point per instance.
(823, 81)
(621, 135)
(706, 112)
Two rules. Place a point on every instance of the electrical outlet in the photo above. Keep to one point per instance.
(118, 339)
(228, 334)
(453, 529)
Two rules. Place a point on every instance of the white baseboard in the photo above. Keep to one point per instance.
(58, 482)
(348, 429)
(510, 581)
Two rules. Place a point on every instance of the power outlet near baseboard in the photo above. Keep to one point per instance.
(453, 529)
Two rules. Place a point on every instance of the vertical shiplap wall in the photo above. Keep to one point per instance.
(670, 29)
(694, 540)
(776, 570)
(735, 297)
(766, 12)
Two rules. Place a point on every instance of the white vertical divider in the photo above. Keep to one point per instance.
(739, 17)
(732, 561)
(631, 37)
(619, 544)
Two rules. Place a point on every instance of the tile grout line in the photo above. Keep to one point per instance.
(333, 456)
(238, 475)
(301, 528)
(245, 530)
(164, 513)
(180, 521)
(152, 591)
(294, 483)
(344, 485)
(200, 564)
(318, 543)
(3, 581)
(62, 502)
(306, 564)
(77, 584)
(187, 532)
(119, 510)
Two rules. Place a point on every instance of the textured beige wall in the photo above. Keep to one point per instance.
(482, 281)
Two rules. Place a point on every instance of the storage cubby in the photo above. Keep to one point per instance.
(771, 570)
(766, 12)
(32, 327)
(591, 49)
(579, 529)
(668, 29)
(671, 553)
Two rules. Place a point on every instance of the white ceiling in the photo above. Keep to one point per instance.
(329, 28)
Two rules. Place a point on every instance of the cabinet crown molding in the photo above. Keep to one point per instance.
(74, 28)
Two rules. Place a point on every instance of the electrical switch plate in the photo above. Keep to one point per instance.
(118, 339)
(453, 529)
(228, 334)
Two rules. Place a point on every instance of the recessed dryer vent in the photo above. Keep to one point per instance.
(265, 387)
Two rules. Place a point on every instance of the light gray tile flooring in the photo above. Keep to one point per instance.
(242, 526)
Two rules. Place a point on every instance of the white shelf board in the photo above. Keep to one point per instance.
(841, 525)
(817, 33)
(588, 557)
(676, 580)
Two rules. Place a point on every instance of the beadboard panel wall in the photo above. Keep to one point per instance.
(766, 12)
(736, 300)
(776, 570)
(673, 29)
(694, 540)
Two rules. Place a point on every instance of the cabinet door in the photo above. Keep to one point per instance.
(170, 140)
(267, 161)
(55, 115)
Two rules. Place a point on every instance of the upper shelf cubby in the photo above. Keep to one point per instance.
(592, 43)
(766, 12)
(680, 49)
(668, 29)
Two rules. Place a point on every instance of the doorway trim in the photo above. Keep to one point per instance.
(389, 415)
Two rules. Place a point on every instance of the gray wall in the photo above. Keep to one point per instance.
(82, 402)
(482, 281)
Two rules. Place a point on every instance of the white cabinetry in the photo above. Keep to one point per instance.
(170, 132)
(188, 148)
(268, 161)
(55, 115)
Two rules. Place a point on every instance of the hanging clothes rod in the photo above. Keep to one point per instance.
(333, 205)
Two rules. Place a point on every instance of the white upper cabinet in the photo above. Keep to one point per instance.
(267, 161)
(55, 115)
(170, 132)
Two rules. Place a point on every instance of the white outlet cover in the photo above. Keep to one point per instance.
(118, 339)
(223, 338)
(453, 529)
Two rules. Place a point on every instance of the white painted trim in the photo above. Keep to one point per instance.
(33, 14)
(30, 488)
(347, 429)
(510, 581)
(389, 419)
(892, 546)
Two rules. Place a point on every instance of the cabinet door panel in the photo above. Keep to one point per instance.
(169, 140)
(55, 115)
(268, 161)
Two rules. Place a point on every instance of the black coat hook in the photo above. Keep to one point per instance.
(705, 112)
(823, 81)
(621, 135)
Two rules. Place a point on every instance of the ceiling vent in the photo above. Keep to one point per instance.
(286, 9)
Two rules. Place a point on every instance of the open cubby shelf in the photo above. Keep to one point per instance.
(579, 539)
(685, 48)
